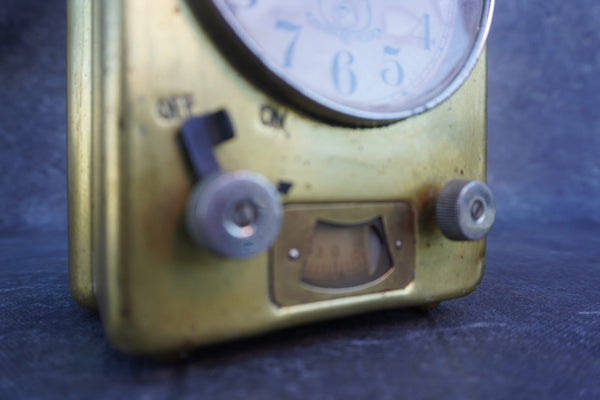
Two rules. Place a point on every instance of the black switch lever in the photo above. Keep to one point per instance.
(200, 134)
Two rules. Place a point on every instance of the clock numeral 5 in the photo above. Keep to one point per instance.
(393, 75)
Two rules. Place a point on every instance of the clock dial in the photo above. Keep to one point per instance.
(363, 59)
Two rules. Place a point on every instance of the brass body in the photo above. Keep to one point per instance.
(136, 70)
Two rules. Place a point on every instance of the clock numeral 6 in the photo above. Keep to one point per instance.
(343, 77)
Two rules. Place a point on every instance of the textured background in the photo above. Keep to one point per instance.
(532, 329)
(544, 116)
(544, 123)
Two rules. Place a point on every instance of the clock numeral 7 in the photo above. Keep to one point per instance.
(234, 5)
(295, 29)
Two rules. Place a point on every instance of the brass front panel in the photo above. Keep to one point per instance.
(150, 66)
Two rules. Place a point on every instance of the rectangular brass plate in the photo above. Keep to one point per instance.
(300, 221)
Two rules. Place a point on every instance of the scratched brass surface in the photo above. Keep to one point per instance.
(79, 110)
(151, 67)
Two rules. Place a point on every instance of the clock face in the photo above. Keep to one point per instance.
(370, 60)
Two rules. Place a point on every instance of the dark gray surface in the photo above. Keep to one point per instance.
(532, 329)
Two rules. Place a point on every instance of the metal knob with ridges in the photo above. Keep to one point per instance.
(234, 214)
(465, 210)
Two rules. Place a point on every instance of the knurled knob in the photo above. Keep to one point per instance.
(235, 214)
(465, 210)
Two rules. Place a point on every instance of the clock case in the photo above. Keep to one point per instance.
(136, 71)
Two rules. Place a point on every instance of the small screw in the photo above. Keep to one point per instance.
(293, 254)
(244, 214)
(477, 209)
(398, 244)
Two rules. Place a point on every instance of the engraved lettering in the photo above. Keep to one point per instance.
(175, 107)
(272, 117)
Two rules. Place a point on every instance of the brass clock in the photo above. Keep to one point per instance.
(241, 166)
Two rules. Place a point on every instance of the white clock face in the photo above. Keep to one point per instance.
(378, 60)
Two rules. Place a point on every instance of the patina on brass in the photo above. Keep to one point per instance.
(137, 70)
